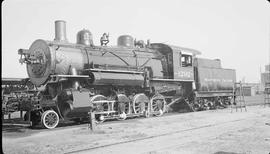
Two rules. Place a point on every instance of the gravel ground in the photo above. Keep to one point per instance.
(214, 131)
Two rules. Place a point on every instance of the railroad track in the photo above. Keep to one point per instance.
(151, 137)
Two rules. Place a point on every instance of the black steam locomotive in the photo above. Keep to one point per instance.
(131, 79)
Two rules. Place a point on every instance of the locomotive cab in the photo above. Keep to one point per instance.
(183, 68)
(178, 70)
(177, 62)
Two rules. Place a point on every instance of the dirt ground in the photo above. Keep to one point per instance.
(213, 131)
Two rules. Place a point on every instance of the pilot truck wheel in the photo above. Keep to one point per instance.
(49, 119)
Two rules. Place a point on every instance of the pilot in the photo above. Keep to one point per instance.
(104, 40)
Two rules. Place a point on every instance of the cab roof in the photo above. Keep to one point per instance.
(187, 50)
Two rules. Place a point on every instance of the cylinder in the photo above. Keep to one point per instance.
(60, 31)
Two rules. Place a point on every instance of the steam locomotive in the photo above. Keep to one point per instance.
(115, 82)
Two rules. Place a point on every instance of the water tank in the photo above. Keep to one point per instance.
(85, 37)
(125, 41)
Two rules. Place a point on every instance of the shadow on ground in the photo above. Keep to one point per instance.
(20, 128)
(223, 152)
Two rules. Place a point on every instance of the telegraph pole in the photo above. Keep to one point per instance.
(269, 47)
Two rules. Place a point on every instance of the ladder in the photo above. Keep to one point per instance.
(238, 97)
(267, 94)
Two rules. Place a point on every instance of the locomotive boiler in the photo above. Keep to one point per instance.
(132, 78)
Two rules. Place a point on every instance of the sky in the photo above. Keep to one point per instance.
(235, 31)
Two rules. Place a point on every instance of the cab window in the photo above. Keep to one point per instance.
(185, 60)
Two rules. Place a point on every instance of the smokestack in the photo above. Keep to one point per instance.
(60, 31)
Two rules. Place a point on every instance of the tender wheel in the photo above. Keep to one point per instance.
(196, 106)
(158, 104)
(99, 107)
(140, 104)
(49, 119)
(122, 106)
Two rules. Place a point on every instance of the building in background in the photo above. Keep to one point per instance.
(265, 76)
(251, 89)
